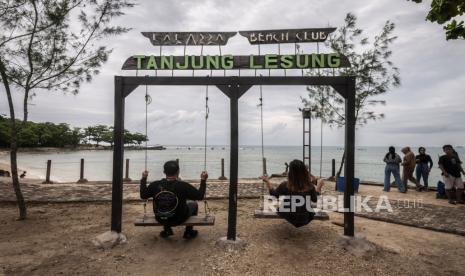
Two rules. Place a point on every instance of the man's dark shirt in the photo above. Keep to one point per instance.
(301, 217)
(424, 159)
(183, 190)
(451, 164)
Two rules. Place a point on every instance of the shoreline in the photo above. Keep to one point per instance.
(6, 151)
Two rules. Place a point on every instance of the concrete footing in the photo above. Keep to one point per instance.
(231, 245)
(358, 245)
(109, 239)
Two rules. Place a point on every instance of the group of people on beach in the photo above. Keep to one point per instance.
(449, 163)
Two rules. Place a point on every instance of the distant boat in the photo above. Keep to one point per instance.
(156, 147)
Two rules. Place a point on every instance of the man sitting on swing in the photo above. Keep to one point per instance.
(170, 199)
(300, 183)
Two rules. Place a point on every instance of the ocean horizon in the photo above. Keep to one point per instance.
(98, 163)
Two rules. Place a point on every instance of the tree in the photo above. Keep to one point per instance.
(445, 12)
(74, 137)
(138, 138)
(370, 64)
(98, 133)
(128, 137)
(51, 45)
(107, 136)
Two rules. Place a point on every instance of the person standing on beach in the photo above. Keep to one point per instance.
(173, 199)
(408, 168)
(451, 168)
(424, 166)
(392, 160)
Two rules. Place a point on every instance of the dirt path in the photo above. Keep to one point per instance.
(56, 240)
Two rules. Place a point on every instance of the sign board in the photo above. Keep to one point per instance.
(188, 38)
(287, 36)
(229, 62)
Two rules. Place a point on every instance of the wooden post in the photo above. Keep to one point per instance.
(177, 161)
(222, 177)
(118, 153)
(333, 168)
(126, 178)
(234, 92)
(81, 175)
(47, 176)
(264, 166)
(349, 158)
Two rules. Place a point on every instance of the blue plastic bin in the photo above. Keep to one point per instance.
(340, 184)
(441, 188)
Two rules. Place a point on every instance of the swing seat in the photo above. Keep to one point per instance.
(191, 221)
(261, 214)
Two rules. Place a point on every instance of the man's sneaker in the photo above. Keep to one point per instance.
(166, 233)
(190, 234)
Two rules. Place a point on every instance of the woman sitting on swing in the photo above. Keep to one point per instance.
(297, 193)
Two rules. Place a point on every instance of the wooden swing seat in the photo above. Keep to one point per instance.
(273, 215)
(191, 221)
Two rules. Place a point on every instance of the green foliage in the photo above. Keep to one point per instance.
(61, 135)
(370, 64)
(138, 138)
(444, 13)
(53, 45)
(96, 133)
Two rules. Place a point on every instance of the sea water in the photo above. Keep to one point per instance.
(98, 163)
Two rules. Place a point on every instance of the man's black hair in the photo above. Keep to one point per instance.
(171, 168)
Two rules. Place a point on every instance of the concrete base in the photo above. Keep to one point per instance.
(47, 182)
(358, 245)
(127, 179)
(82, 180)
(109, 239)
(222, 178)
(231, 245)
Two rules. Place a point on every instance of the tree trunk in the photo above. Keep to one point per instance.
(13, 147)
(342, 164)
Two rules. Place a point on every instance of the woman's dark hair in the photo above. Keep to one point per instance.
(421, 148)
(298, 179)
(171, 168)
(392, 152)
(448, 147)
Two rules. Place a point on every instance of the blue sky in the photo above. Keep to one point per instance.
(427, 109)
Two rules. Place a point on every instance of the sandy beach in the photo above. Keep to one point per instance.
(31, 247)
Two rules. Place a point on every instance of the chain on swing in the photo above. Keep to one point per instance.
(148, 100)
(207, 112)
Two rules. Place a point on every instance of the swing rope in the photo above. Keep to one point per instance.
(207, 112)
(262, 140)
(148, 100)
(321, 126)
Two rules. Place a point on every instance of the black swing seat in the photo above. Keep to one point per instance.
(191, 221)
(320, 215)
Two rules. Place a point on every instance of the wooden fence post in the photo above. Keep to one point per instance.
(333, 168)
(47, 176)
(264, 166)
(126, 178)
(222, 177)
(81, 175)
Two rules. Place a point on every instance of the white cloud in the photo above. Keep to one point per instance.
(426, 109)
